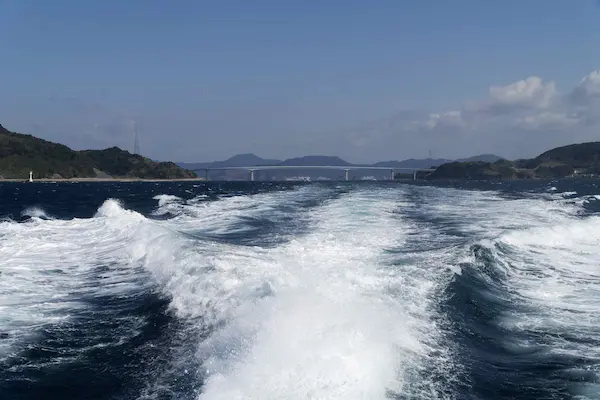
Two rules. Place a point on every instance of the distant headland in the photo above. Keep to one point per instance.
(582, 159)
(20, 154)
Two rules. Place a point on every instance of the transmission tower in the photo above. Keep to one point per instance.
(136, 141)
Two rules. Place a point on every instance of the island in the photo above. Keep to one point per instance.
(582, 159)
(21, 153)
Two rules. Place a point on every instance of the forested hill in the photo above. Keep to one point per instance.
(20, 153)
(572, 160)
(579, 156)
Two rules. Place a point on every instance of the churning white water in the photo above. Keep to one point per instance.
(549, 256)
(328, 313)
(49, 268)
(324, 315)
(341, 295)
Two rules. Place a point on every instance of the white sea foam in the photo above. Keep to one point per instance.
(485, 214)
(551, 269)
(568, 194)
(231, 214)
(324, 315)
(35, 212)
(48, 265)
(164, 199)
(555, 272)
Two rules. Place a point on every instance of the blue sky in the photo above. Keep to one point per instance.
(364, 80)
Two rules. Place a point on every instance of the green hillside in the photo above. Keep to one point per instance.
(21, 153)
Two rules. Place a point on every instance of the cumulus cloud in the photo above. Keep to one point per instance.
(531, 93)
(516, 119)
(445, 119)
(529, 102)
(588, 89)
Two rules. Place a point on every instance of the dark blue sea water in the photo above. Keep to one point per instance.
(249, 290)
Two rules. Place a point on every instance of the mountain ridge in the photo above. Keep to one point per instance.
(252, 160)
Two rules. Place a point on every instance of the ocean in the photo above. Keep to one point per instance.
(256, 290)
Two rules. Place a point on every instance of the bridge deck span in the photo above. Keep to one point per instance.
(333, 167)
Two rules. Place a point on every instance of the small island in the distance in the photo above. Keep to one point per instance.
(20, 153)
(581, 159)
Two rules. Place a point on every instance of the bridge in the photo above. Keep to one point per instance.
(346, 169)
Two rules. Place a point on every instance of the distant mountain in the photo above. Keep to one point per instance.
(252, 160)
(239, 160)
(20, 153)
(316, 160)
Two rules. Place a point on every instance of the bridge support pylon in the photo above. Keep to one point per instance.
(415, 175)
(206, 174)
(347, 176)
(392, 174)
(252, 175)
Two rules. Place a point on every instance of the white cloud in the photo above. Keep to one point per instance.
(530, 104)
(548, 120)
(529, 93)
(587, 90)
(515, 120)
(445, 119)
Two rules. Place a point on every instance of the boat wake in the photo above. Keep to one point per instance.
(323, 291)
